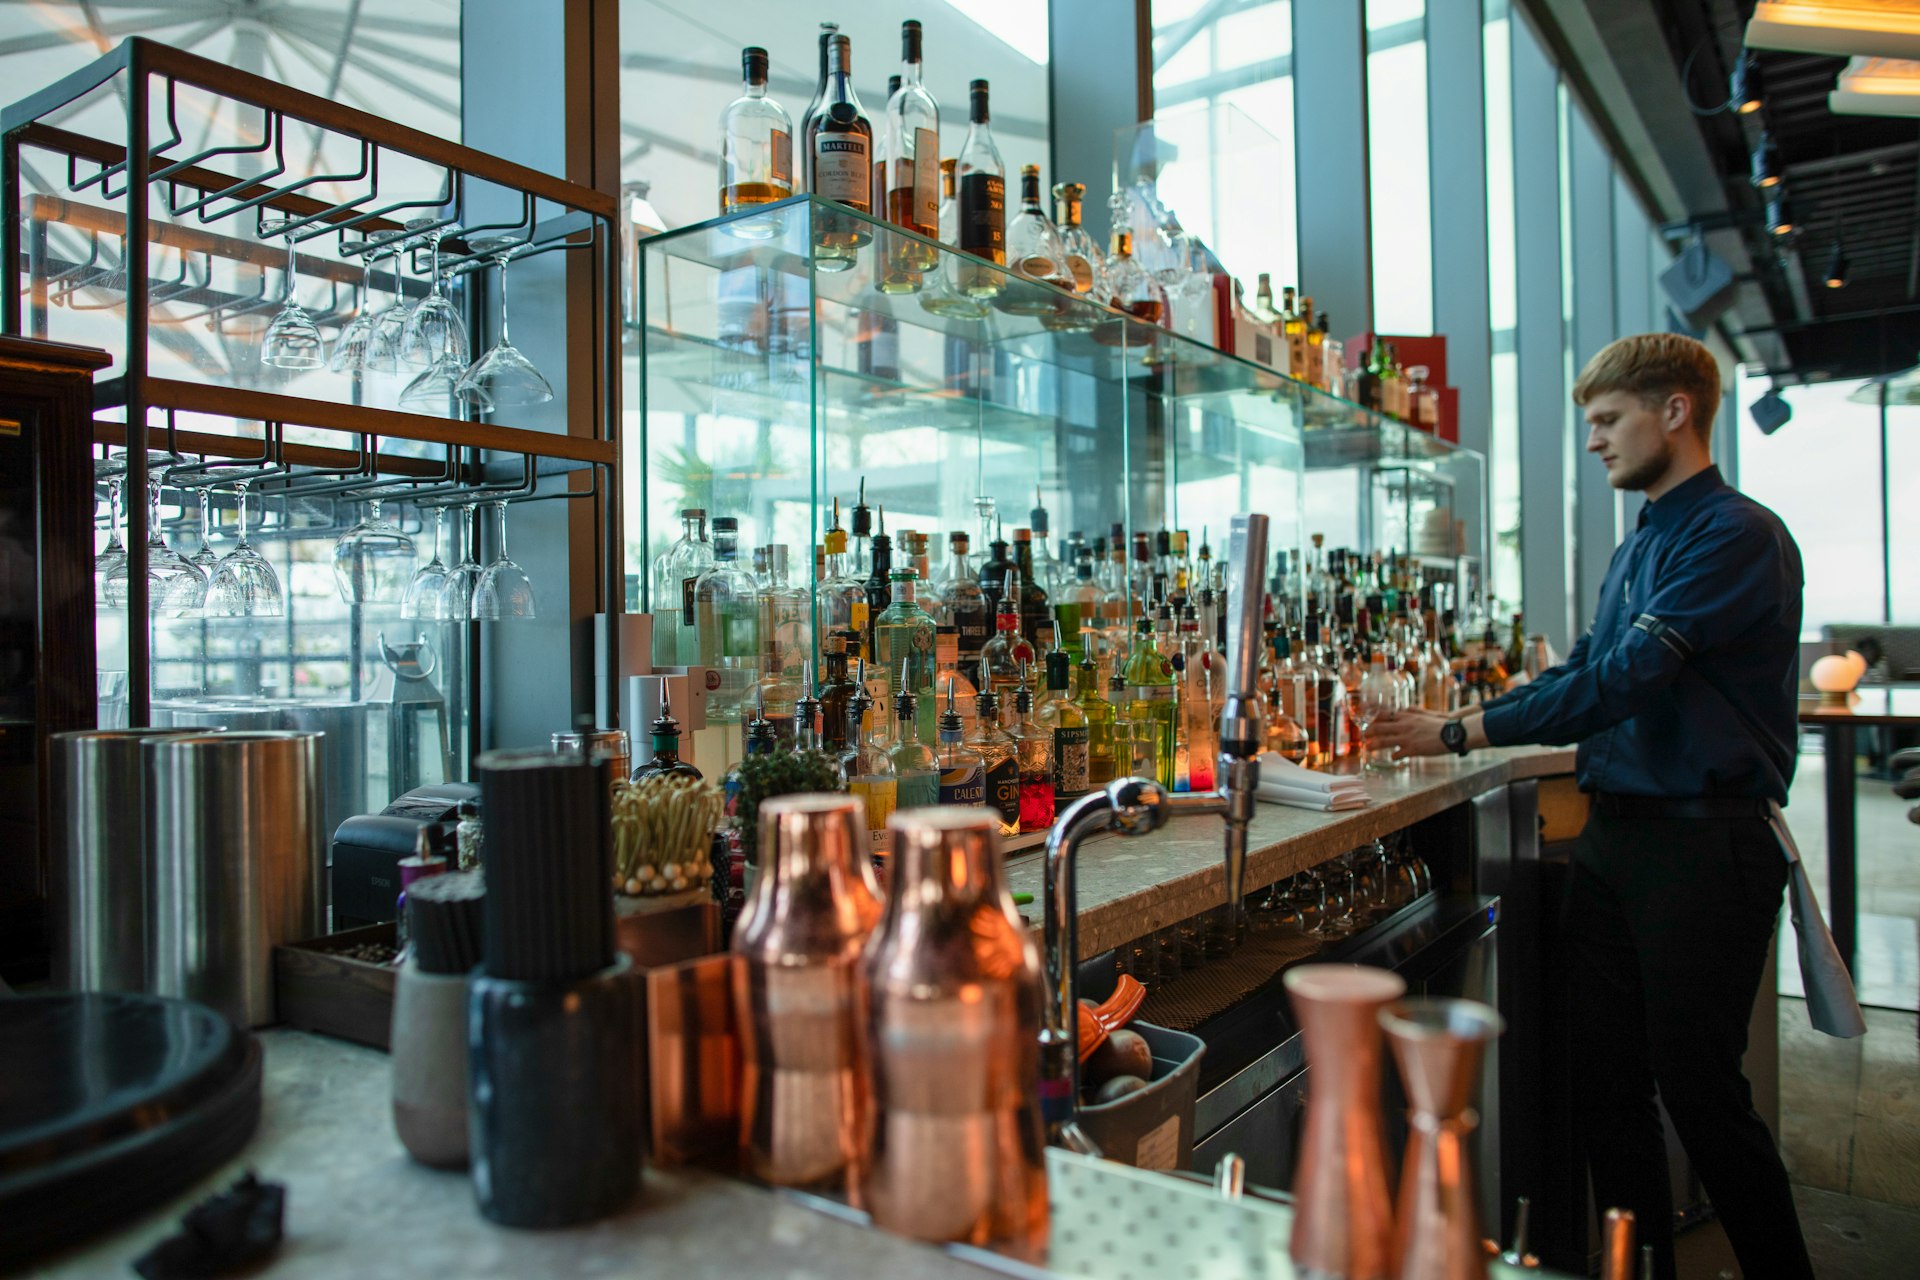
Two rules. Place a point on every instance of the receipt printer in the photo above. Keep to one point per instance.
(367, 850)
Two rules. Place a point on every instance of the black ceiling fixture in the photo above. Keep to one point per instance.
(1744, 90)
(1765, 171)
(1837, 269)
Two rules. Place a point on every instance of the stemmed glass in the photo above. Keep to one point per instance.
(244, 584)
(293, 340)
(373, 561)
(423, 597)
(114, 554)
(434, 332)
(352, 347)
(504, 590)
(390, 322)
(503, 376)
(175, 587)
(1378, 698)
(1336, 920)
(206, 558)
(455, 602)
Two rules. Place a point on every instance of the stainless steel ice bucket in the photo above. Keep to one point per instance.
(99, 872)
(238, 863)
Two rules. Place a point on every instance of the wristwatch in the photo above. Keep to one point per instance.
(1453, 736)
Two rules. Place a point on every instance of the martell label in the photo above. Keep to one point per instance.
(843, 170)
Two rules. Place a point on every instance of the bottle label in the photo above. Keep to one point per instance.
(975, 626)
(1003, 790)
(919, 179)
(740, 633)
(983, 215)
(963, 786)
(1152, 692)
(1082, 273)
(1070, 760)
(781, 147)
(688, 614)
(842, 169)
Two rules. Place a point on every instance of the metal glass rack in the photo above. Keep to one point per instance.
(138, 191)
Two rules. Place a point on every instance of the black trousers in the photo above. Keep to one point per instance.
(1667, 925)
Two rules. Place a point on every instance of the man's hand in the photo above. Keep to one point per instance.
(1417, 733)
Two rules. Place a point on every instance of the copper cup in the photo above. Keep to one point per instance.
(956, 1150)
(796, 975)
(1438, 1045)
(1343, 1210)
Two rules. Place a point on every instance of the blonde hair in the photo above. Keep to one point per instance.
(1654, 366)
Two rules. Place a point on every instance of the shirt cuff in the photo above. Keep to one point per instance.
(1496, 722)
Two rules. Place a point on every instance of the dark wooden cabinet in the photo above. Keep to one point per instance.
(46, 613)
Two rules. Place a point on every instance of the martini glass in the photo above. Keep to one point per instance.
(504, 377)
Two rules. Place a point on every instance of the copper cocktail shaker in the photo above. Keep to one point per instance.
(1343, 1211)
(796, 982)
(956, 1150)
(1438, 1045)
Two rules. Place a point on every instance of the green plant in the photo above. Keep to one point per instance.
(777, 773)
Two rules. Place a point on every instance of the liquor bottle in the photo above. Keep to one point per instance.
(1129, 287)
(878, 172)
(827, 30)
(806, 713)
(674, 573)
(948, 669)
(1263, 313)
(1300, 340)
(666, 743)
(868, 772)
(916, 771)
(876, 344)
(1101, 765)
(775, 693)
(1033, 249)
(1051, 573)
(786, 615)
(1072, 735)
(1000, 756)
(983, 202)
(756, 148)
(1033, 746)
(939, 294)
(1436, 672)
(1516, 650)
(763, 735)
(964, 606)
(1333, 360)
(1007, 653)
(1371, 366)
(1331, 721)
(1036, 619)
(842, 593)
(1393, 384)
(1084, 263)
(963, 771)
(1316, 347)
(879, 588)
(903, 642)
(836, 691)
(1152, 704)
(726, 624)
(913, 156)
(1283, 735)
(1076, 610)
(1196, 703)
(995, 568)
(950, 202)
(840, 162)
(1290, 326)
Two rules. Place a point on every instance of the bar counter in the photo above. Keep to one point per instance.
(357, 1206)
(1129, 886)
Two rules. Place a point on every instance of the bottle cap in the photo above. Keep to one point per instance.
(1057, 669)
(959, 541)
(753, 64)
(985, 705)
(951, 726)
(910, 41)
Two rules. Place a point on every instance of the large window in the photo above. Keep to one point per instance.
(1503, 305)
(1397, 166)
(1821, 474)
(1206, 57)
(680, 66)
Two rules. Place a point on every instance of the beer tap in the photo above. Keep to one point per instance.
(1134, 806)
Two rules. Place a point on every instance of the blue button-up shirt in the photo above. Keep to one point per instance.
(1687, 683)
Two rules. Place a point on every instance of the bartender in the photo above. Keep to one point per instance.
(1682, 698)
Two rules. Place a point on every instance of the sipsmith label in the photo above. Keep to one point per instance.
(1070, 760)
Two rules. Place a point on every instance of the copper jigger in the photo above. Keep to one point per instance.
(956, 1151)
(1438, 1045)
(1343, 1211)
(796, 983)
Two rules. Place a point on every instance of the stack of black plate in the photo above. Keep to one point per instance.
(110, 1105)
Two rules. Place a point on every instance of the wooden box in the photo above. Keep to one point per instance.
(316, 987)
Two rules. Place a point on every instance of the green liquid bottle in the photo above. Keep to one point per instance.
(1152, 703)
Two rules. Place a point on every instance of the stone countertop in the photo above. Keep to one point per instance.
(358, 1207)
(1129, 886)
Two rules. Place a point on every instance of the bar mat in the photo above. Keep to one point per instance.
(1216, 986)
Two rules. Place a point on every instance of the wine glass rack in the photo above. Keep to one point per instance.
(138, 222)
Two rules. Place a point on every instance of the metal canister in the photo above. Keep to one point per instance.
(610, 747)
(955, 1149)
(99, 872)
(796, 993)
(238, 863)
(343, 752)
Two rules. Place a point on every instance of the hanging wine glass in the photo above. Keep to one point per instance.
(356, 340)
(114, 553)
(503, 376)
(244, 584)
(504, 590)
(373, 561)
(175, 587)
(434, 331)
(422, 598)
(206, 558)
(293, 340)
(390, 323)
(455, 603)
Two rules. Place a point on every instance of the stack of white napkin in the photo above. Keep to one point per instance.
(1284, 782)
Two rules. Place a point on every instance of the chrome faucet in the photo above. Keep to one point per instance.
(1134, 806)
